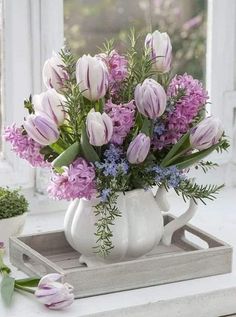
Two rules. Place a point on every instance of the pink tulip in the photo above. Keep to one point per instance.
(138, 149)
(54, 74)
(92, 77)
(99, 128)
(41, 129)
(160, 49)
(150, 98)
(206, 133)
(54, 294)
(51, 104)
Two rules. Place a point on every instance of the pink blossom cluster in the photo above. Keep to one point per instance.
(117, 66)
(122, 116)
(77, 181)
(118, 70)
(25, 147)
(179, 118)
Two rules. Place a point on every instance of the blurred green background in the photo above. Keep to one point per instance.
(89, 22)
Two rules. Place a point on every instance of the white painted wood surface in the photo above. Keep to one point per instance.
(206, 297)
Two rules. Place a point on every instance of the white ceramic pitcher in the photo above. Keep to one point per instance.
(139, 229)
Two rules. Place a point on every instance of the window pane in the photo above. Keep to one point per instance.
(89, 22)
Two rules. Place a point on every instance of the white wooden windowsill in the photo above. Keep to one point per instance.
(206, 297)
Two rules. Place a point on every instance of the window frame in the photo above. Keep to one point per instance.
(32, 29)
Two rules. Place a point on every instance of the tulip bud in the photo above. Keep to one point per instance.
(150, 98)
(50, 103)
(206, 133)
(41, 129)
(138, 149)
(160, 50)
(52, 293)
(54, 74)
(92, 77)
(99, 128)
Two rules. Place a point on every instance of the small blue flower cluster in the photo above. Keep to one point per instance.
(171, 175)
(159, 128)
(113, 163)
(105, 194)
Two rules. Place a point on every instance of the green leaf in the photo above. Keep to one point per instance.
(68, 156)
(30, 282)
(191, 159)
(146, 127)
(178, 147)
(7, 289)
(58, 147)
(88, 151)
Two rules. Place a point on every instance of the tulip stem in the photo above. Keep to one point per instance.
(177, 156)
(25, 289)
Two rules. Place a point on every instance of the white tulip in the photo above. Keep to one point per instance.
(50, 103)
(160, 50)
(92, 77)
(54, 74)
(206, 133)
(99, 128)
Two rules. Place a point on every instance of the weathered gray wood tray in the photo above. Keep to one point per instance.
(47, 252)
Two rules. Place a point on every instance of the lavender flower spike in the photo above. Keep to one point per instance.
(138, 149)
(54, 294)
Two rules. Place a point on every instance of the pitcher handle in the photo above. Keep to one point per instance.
(178, 223)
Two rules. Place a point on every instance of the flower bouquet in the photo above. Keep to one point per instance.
(111, 127)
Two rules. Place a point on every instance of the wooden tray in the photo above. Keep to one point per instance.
(48, 252)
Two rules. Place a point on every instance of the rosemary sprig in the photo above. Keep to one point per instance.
(106, 212)
(188, 189)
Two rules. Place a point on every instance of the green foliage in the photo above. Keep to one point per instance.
(206, 165)
(106, 212)
(188, 189)
(12, 203)
(7, 288)
(67, 157)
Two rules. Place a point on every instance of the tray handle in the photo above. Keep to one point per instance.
(182, 239)
(23, 256)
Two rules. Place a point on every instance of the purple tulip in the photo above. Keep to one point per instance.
(206, 133)
(54, 74)
(138, 149)
(51, 104)
(52, 293)
(150, 98)
(160, 49)
(92, 77)
(99, 128)
(41, 129)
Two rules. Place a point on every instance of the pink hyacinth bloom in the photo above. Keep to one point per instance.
(185, 110)
(77, 181)
(117, 67)
(53, 293)
(25, 147)
(122, 118)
